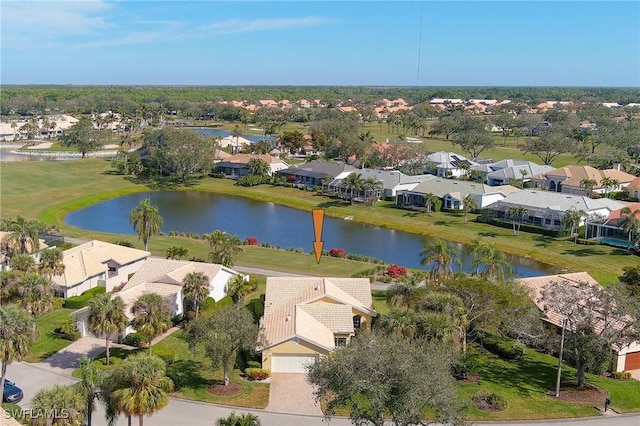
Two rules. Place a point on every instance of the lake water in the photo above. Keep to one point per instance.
(221, 133)
(202, 212)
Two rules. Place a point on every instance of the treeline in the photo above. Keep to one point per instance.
(28, 100)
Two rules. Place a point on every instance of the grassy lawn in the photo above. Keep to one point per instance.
(524, 386)
(48, 342)
(192, 374)
(57, 188)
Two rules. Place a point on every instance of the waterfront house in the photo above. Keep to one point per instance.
(238, 165)
(506, 171)
(391, 181)
(312, 173)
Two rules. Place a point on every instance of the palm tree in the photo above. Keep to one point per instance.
(429, 201)
(24, 235)
(175, 252)
(16, 335)
(139, 386)
(630, 222)
(401, 322)
(442, 255)
(588, 184)
(571, 220)
(236, 133)
(152, 316)
(58, 398)
(401, 294)
(91, 380)
(146, 220)
(244, 419)
(609, 183)
(36, 294)
(223, 247)
(196, 289)
(495, 262)
(469, 204)
(372, 189)
(107, 317)
(353, 184)
(23, 263)
(51, 263)
(520, 213)
(523, 173)
(238, 287)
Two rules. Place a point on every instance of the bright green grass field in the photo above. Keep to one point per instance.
(48, 343)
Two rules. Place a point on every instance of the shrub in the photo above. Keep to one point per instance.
(58, 302)
(386, 279)
(208, 305)
(254, 364)
(257, 373)
(253, 180)
(621, 375)
(489, 401)
(77, 302)
(134, 339)
(337, 252)
(504, 348)
(251, 241)
(124, 243)
(395, 271)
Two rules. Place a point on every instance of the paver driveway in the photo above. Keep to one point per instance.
(291, 393)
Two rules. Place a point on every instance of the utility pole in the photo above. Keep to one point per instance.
(564, 325)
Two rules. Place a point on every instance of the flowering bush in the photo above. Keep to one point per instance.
(251, 241)
(257, 373)
(395, 271)
(337, 252)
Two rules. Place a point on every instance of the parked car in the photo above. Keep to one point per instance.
(11, 393)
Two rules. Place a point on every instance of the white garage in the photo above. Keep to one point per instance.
(291, 363)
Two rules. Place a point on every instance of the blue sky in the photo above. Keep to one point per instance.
(473, 43)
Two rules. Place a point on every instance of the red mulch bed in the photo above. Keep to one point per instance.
(570, 392)
(219, 389)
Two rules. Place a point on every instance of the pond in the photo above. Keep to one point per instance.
(202, 212)
(221, 133)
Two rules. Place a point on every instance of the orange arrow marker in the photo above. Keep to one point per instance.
(318, 219)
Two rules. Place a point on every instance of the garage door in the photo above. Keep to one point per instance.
(291, 363)
(632, 361)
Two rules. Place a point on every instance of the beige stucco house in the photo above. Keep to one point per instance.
(307, 317)
(96, 263)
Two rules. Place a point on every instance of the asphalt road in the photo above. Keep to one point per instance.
(188, 413)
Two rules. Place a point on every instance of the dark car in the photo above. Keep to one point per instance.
(12, 393)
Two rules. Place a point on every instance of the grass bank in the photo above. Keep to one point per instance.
(48, 342)
(50, 190)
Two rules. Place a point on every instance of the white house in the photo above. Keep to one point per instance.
(96, 263)
(448, 164)
(504, 171)
(392, 181)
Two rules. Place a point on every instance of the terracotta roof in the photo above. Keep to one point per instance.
(244, 158)
(634, 184)
(575, 174)
(168, 271)
(91, 258)
(616, 214)
(294, 307)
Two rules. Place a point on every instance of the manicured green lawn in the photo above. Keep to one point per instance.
(48, 343)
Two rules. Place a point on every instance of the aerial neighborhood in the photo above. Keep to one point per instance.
(322, 251)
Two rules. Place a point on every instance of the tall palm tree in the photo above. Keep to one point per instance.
(401, 322)
(107, 317)
(588, 184)
(36, 294)
(495, 262)
(196, 289)
(58, 398)
(176, 252)
(152, 316)
(469, 204)
(146, 220)
(24, 234)
(239, 287)
(372, 189)
(244, 419)
(519, 213)
(91, 380)
(630, 222)
(430, 201)
(442, 255)
(139, 386)
(16, 335)
(353, 184)
(51, 263)
(223, 247)
(571, 220)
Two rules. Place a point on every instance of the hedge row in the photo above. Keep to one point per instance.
(504, 348)
(77, 302)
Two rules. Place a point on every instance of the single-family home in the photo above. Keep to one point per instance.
(634, 188)
(505, 171)
(546, 209)
(582, 179)
(313, 173)
(306, 318)
(166, 278)
(452, 193)
(234, 143)
(391, 181)
(238, 165)
(96, 264)
(609, 230)
(626, 358)
(448, 164)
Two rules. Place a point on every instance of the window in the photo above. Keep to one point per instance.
(340, 341)
(357, 320)
(58, 293)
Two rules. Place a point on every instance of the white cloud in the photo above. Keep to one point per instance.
(232, 26)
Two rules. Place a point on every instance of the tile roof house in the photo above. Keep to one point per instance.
(504, 171)
(236, 143)
(625, 358)
(165, 277)
(392, 181)
(634, 188)
(610, 231)
(96, 263)
(448, 164)
(546, 209)
(453, 192)
(312, 173)
(238, 165)
(567, 179)
(308, 317)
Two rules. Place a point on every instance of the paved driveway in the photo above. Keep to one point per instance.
(291, 393)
